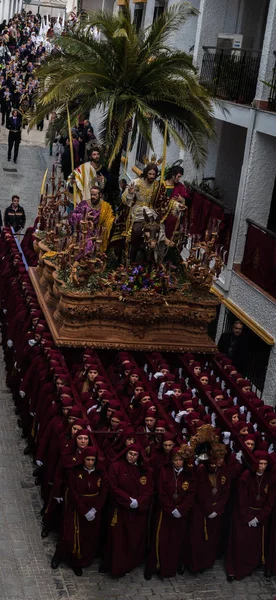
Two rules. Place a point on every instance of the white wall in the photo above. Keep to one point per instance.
(261, 173)
(257, 306)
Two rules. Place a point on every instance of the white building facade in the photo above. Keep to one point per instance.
(233, 43)
(8, 8)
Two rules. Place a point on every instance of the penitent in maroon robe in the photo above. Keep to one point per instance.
(212, 494)
(80, 538)
(169, 547)
(127, 527)
(247, 548)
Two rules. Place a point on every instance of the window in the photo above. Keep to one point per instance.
(141, 152)
(158, 9)
(257, 354)
(138, 16)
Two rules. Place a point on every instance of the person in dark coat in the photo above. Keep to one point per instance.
(14, 215)
(234, 345)
(14, 126)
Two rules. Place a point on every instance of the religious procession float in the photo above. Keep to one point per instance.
(92, 295)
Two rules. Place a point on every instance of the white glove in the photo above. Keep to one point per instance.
(10, 343)
(39, 463)
(160, 391)
(253, 523)
(242, 410)
(59, 500)
(223, 385)
(255, 426)
(212, 515)
(91, 408)
(248, 417)
(22, 394)
(31, 343)
(271, 449)
(158, 374)
(90, 515)
(180, 415)
(207, 409)
(235, 401)
(226, 437)
(176, 513)
(133, 503)
(194, 391)
(145, 367)
(217, 379)
(213, 419)
(228, 392)
(239, 456)
(180, 370)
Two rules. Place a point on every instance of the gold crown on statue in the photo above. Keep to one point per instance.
(152, 159)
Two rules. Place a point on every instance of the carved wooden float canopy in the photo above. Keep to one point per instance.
(172, 323)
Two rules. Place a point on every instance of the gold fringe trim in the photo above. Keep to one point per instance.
(76, 550)
(157, 540)
(263, 545)
(205, 530)
(114, 518)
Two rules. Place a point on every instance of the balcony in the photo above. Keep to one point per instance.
(259, 259)
(272, 94)
(231, 74)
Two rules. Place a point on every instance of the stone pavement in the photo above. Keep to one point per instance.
(25, 572)
(24, 178)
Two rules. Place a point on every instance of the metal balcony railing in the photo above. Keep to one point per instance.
(272, 93)
(231, 74)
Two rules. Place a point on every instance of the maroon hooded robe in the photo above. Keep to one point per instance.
(247, 548)
(169, 548)
(128, 526)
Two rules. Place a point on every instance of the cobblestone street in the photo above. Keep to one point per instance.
(25, 572)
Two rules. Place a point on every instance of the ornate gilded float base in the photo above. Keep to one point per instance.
(169, 324)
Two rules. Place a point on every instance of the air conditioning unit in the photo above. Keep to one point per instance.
(232, 41)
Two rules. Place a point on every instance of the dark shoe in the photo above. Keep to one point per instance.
(15, 161)
(20, 423)
(78, 571)
(27, 450)
(8, 159)
(36, 471)
(45, 532)
(230, 578)
(267, 574)
(180, 569)
(55, 562)
(37, 481)
(147, 575)
(102, 569)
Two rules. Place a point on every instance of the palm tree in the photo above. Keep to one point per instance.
(136, 79)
